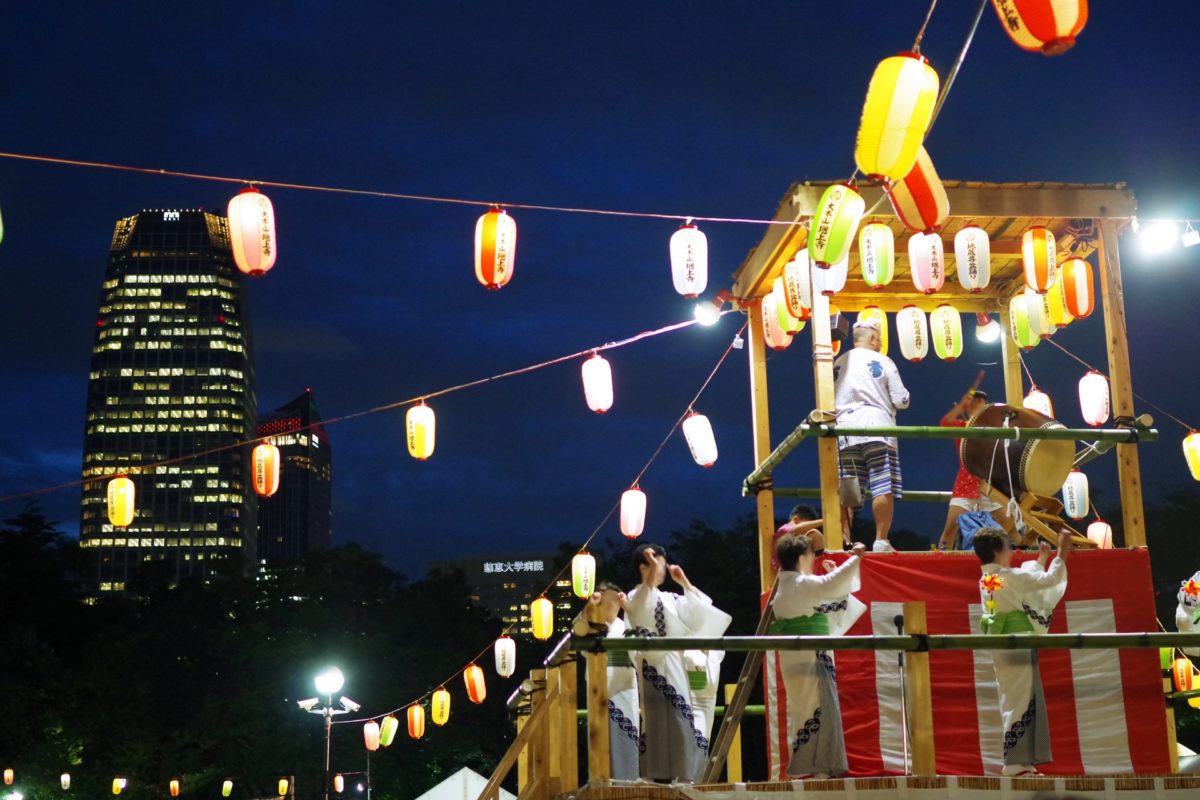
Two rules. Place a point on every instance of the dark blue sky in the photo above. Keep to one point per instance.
(704, 108)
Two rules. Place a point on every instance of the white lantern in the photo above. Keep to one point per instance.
(1039, 314)
(506, 656)
(1075, 495)
(1100, 532)
(945, 328)
(252, 231)
(832, 280)
(913, 333)
(877, 253)
(633, 512)
(1039, 401)
(773, 333)
(972, 258)
(1094, 399)
(698, 432)
(689, 260)
(797, 285)
(926, 261)
(597, 383)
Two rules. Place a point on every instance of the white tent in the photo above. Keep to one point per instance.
(466, 784)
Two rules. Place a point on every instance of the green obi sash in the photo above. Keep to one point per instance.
(811, 625)
(1006, 622)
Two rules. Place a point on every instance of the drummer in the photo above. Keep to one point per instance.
(965, 496)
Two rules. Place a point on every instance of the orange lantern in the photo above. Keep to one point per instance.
(421, 428)
(265, 465)
(1045, 26)
(476, 687)
(506, 656)
(252, 231)
(121, 496)
(1078, 291)
(416, 721)
(1191, 453)
(1182, 674)
(174, 786)
(495, 248)
(597, 383)
(371, 735)
(1094, 400)
(1038, 258)
(339, 783)
(9, 776)
(440, 706)
(689, 260)
(895, 116)
(919, 200)
(927, 262)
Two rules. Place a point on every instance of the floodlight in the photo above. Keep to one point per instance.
(707, 313)
(987, 330)
(1158, 237)
(329, 682)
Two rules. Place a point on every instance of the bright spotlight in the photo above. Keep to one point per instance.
(707, 313)
(987, 330)
(1158, 237)
(329, 681)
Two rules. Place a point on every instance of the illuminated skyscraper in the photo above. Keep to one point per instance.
(171, 381)
(296, 519)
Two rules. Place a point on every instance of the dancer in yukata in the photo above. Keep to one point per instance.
(813, 605)
(624, 715)
(1187, 613)
(1020, 600)
(675, 747)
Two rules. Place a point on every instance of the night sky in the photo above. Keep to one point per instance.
(703, 108)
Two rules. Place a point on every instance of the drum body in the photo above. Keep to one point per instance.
(1037, 465)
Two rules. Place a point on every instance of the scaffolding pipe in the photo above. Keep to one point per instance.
(915, 496)
(749, 711)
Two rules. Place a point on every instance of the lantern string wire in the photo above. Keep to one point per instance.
(148, 467)
(916, 48)
(958, 62)
(583, 547)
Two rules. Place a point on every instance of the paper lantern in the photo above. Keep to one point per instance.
(284, 785)
(421, 428)
(120, 501)
(1039, 401)
(1184, 678)
(118, 786)
(541, 618)
(1075, 495)
(1077, 288)
(1022, 327)
(583, 574)
(9, 776)
(877, 254)
(973, 258)
(65, 781)
(987, 330)
(832, 280)
(371, 735)
(1100, 532)
(265, 465)
(698, 433)
(1039, 259)
(1094, 399)
(912, 332)
(919, 199)
(895, 116)
(387, 730)
(252, 231)
(789, 324)
(439, 706)
(774, 335)
(506, 656)
(226, 788)
(1039, 312)
(1191, 453)
(174, 787)
(834, 225)
(797, 285)
(339, 783)
(1045, 26)
(597, 383)
(416, 721)
(874, 314)
(834, 313)
(495, 248)
(927, 262)
(476, 688)
(1056, 304)
(633, 512)
(689, 260)
(945, 328)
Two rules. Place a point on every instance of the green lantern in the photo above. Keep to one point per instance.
(583, 574)
(387, 731)
(834, 225)
(1021, 326)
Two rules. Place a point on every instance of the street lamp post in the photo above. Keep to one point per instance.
(328, 683)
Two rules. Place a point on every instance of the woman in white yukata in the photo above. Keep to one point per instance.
(674, 746)
(624, 715)
(813, 605)
(1187, 613)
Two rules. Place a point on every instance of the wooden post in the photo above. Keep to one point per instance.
(522, 757)
(553, 736)
(1010, 359)
(539, 743)
(567, 726)
(760, 419)
(1128, 468)
(920, 695)
(599, 759)
(733, 761)
(1172, 740)
(827, 449)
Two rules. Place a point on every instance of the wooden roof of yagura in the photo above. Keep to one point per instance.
(1004, 210)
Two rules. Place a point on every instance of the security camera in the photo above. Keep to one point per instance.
(309, 704)
(349, 704)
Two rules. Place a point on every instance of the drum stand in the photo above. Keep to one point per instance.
(1039, 514)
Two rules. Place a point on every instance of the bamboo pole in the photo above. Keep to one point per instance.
(827, 449)
(920, 694)
(760, 420)
(733, 761)
(910, 495)
(754, 710)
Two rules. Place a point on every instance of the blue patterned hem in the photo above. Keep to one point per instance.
(676, 700)
(808, 731)
(1014, 734)
(624, 723)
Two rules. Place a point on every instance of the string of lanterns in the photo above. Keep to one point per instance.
(174, 785)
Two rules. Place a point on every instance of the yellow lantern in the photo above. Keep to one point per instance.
(973, 258)
(633, 512)
(797, 285)
(440, 706)
(945, 328)
(834, 225)
(788, 322)
(118, 785)
(874, 314)
(252, 231)
(265, 465)
(284, 785)
(495, 248)
(506, 656)
(476, 687)
(689, 260)
(698, 433)
(9, 776)
(1056, 303)
(1039, 259)
(387, 730)
(339, 783)
(65, 780)
(895, 116)
(174, 787)
(1100, 532)
(1039, 401)
(371, 735)
(597, 383)
(416, 721)
(1046, 26)
(1094, 399)
(1077, 287)
(120, 501)
(877, 254)
(583, 574)
(541, 618)
(421, 427)
(226, 788)
(912, 332)
(1191, 453)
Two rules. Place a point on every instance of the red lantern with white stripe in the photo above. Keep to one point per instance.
(698, 432)
(1038, 258)
(1100, 532)
(1045, 26)
(913, 333)
(633, 512)
(945, 328)
(973, 258)
(797, 285)
(1094, 400)
(597, 383)
(416, 721)
(371, 735)
(506, 656)
(1191, 453)
(265, 467)
(927, 262)
(773, 333)
(252, 231)
(495, 248)
(877, 254)
(1077, 287)
(1075, 495)
(1039, 401)
(689, 260)
(832, 280)
(476, 685)
(919, 200)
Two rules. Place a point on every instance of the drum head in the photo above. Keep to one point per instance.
(1047, 463)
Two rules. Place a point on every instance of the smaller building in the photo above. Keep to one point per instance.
(505, 584)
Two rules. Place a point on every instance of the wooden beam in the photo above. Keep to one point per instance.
(1172, 737)
(854, 299)
(1010, 360)
(599, 752)
(920, 695)
(534, 724)
(540, 769)
(522, 756)
(567, 726)
(733, 761)
(760, 419)
(1119, 378)
(827, 448)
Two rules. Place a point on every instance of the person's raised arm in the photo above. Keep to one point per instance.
(840, 580)
(899, 395)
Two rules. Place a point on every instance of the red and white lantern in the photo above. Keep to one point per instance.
(1043, 26)
(252, 231)
(416, 721)
(633, 512)
(1094, 400)
(476, 685)
(919, 200)
(698, 432)
(495, 248)
(973, 258)
(1078, 290)
(1038, 257)
(927, 262)
(689, 260)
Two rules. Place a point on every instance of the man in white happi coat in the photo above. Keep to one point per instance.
(675, 747)
(1020, 600)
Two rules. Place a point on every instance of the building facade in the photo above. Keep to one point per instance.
(507, 583)
(171, 386)
(297, 519)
